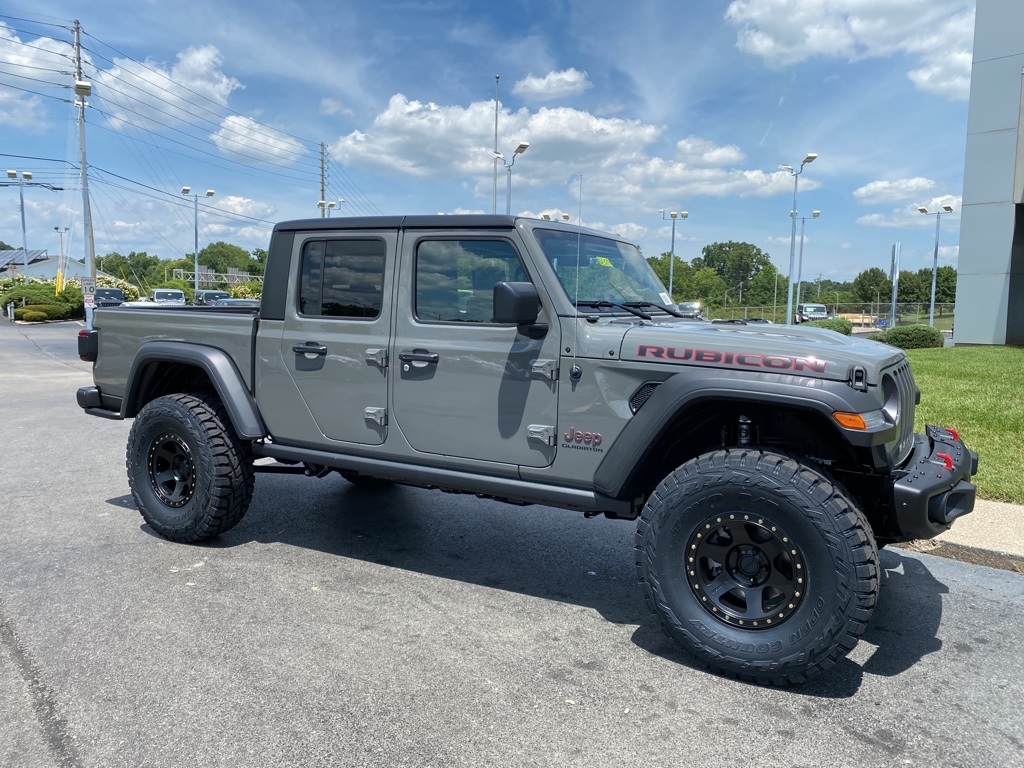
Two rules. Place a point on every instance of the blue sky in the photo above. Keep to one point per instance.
(688, 105)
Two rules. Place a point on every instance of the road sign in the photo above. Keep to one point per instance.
(89, 290)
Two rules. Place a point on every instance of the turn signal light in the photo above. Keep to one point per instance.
(849, 420)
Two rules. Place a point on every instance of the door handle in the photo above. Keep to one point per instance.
(310, 348)
(418, 356)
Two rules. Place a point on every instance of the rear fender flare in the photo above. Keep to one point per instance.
(218, 367)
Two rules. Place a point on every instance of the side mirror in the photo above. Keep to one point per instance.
(519, 303)
(516, 303)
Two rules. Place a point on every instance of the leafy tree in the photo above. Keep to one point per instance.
(682, 276)
(912, 288)
(871, 285)
(765, 288)
(708, 286)
(734, 262)
(5, 247)
(221, 256)
(945, 283)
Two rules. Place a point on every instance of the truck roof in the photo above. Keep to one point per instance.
(435, 221)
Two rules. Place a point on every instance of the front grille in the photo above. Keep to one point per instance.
(907, 390)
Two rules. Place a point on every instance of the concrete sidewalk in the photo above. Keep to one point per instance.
(991, 535)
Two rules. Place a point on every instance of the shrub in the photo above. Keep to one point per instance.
(29, 315)
(836, 324)
(914, 337)
(47, 311)
(877, 336)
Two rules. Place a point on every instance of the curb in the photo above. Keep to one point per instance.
(1003, 561)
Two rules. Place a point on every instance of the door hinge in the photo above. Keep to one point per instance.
(542, 433)
(378, 357)
(376, 415)
(545, 369)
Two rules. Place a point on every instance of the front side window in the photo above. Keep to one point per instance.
(342, 278)
(455, 279)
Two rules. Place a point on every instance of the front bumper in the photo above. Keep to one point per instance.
(933, 488)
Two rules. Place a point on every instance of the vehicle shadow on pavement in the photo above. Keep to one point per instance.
(551, 554)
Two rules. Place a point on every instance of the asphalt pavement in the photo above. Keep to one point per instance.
(343, 626)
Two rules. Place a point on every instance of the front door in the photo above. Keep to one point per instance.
(463, 385)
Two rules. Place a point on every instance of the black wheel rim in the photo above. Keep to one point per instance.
(172, 472)
(745, 570)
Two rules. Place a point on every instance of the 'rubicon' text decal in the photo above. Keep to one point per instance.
(742, 359)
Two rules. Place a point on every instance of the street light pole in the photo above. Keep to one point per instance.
(21, 179)
(795, 173)
(673, 215)
(522, 147)
(186, 191)
(935, 256)
(494, 197)
(800, 262)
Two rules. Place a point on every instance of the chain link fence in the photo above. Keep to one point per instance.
(862, 315)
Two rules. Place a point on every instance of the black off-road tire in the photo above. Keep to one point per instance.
(190, 475)
(758, 565)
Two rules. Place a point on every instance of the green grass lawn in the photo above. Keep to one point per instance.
(980, 392)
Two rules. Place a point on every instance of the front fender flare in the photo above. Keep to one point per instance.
(633, 447)
(219, 368)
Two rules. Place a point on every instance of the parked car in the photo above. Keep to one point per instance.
(201, 298)
(807, 312)
(108, 297)
(238, 303)
(690, 309)
(167, 296)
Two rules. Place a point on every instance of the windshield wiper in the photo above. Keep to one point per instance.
(646, 304)
(632, 307)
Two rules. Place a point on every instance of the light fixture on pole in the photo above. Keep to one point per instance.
(800, 260)
(328, 204)
(795, 173)
(673, 215)
(21, 179)
(187, 192)
(935, 256)
(523, 146)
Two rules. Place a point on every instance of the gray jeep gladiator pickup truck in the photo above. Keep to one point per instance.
(538, 362)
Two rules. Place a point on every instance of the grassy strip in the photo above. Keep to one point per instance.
(980, 392)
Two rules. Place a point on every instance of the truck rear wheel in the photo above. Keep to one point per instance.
(758, 565)
(190, 475)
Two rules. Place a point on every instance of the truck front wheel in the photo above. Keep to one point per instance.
(190, 475)
(758, 565)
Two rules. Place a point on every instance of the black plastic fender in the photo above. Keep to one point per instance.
(218, 366)
(634, 444)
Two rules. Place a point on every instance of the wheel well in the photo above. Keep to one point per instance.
(162, 377)
(711, 424)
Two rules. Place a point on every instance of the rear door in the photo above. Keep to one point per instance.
(465, 386)
(335, 333)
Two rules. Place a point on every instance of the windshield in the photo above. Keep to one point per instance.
(815, 309)
(165, 295)
(609, 270)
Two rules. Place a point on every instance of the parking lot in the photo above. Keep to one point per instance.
(343, 626)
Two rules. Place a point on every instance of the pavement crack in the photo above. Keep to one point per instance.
(53, 726)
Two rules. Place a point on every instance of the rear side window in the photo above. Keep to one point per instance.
(455, 278)
(342, 278)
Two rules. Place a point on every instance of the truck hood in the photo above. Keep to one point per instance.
(812, 352)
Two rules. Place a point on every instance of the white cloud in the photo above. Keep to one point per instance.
(937, 36)
(909, 217)
(245, 206)
(332, 106)
(554, 85)
(151, 96)
(23, 66)
(878, 192)
(695, 151)
(244, 136)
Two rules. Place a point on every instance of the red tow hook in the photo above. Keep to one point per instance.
(947, 460)
(953, 432)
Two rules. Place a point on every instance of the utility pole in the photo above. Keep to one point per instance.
(82, 89)
(323, 190)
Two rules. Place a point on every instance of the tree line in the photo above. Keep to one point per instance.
(741, 274)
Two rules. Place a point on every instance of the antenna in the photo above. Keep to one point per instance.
(575, 372)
